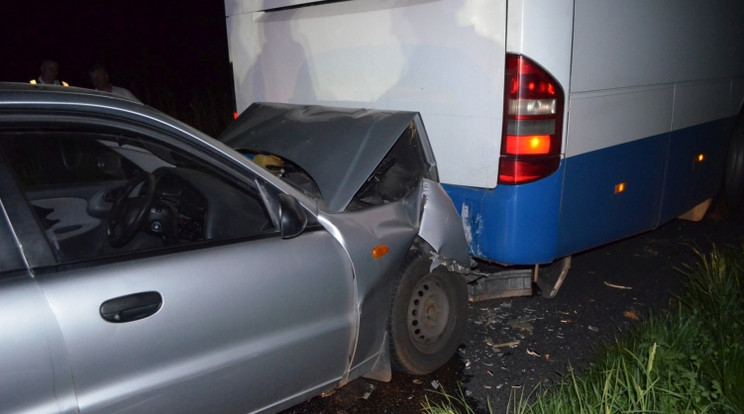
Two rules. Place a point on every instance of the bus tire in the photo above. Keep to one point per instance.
(428, 316)
(730, 196)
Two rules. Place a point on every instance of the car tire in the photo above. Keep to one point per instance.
(428, 316)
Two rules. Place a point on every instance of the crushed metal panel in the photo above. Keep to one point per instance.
(399, 172)
(338, 147)
(441, 227)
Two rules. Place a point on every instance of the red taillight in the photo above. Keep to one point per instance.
(533, 115)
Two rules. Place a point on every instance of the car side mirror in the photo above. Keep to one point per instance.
(292, 217)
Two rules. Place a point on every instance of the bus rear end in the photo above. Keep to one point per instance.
(557, 125)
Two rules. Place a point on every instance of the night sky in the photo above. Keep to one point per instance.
(164, 51)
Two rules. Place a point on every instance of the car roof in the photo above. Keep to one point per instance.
(21, 92)
(24, 96)
(338, 147)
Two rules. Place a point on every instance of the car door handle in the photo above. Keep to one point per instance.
(131, 307)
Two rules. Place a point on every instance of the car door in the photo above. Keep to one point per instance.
(34, 375)
(241, 326)
(235, 324)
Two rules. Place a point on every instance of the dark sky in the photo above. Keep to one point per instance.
(146, 45)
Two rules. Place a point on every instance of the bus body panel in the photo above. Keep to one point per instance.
(621, 44)
(594, 212)
(526, 216)
(611, 193)
(690, 179)
(444, 59)
(535, 24)
(651, 86)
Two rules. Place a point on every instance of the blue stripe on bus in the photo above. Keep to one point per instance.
(511, 224)
(537, 223)
(592, 212)
(656, 191)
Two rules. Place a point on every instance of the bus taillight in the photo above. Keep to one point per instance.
(533, 120)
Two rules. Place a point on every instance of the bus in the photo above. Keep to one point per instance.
(557, 125)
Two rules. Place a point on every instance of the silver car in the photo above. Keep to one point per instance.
(146, 267)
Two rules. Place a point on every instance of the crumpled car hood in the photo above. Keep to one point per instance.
(338, 147)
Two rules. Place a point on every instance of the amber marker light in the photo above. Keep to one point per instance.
(700, 157)
(619, 188)
(380, 251)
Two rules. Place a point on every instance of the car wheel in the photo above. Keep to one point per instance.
(428, 316)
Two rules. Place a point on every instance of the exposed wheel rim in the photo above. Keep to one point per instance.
(428, 314)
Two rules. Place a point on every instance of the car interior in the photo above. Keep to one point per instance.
(97, 193)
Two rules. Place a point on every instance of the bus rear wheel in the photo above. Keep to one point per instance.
(730, 196)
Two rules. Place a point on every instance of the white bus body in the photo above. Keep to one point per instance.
(631, 130)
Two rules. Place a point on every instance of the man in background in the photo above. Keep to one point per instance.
(49, 72)
(100, 78)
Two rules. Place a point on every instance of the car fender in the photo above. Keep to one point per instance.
(441, 227)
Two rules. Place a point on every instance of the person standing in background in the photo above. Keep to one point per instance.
(49, 72)
(100, 79)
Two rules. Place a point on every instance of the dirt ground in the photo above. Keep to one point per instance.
(513, 345)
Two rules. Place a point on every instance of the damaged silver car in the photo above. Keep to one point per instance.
(146, 267)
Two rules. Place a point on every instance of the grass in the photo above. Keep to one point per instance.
(689, 359)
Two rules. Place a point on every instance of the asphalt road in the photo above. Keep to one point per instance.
(513, 345)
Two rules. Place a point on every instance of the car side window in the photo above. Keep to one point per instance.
(50, 159)
(100, 192)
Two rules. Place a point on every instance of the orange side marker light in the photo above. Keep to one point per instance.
(379, 251)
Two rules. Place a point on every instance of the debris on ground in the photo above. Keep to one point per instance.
(368, 391)
(512, 344)
(533, 353)
(632, 313)
(612, 285)
(522, 324)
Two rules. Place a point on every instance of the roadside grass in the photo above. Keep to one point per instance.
(688, 359)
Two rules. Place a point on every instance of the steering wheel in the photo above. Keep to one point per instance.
(129, 213)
